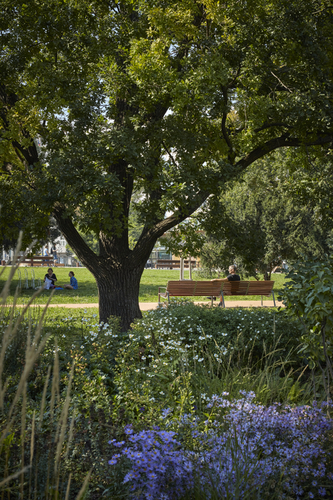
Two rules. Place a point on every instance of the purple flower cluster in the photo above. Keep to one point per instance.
(245, 448)
(158, 464)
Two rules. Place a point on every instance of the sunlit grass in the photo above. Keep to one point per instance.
(87, 292)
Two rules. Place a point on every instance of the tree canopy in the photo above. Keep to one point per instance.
(264, 220)
(102, 99)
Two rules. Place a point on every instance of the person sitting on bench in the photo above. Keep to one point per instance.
(232, 276)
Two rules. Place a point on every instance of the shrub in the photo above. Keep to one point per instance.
(182, 354)
(308, 298)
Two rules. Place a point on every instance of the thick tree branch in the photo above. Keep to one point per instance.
(72, 236)
(30, 154)
(233, 81)
(149, 236)
(279, 142)
(170, 155)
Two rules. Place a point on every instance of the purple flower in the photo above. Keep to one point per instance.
(166, 412)
(251, 445)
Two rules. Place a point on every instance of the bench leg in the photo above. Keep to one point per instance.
(273, 298)
(262, 302)
(223, 302)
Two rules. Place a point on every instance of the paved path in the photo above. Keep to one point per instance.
(146, 306)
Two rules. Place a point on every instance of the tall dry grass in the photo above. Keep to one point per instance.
(35, 436)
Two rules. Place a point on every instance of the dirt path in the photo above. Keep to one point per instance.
(147, 306)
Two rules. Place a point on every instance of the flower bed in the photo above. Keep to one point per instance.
(243, 450)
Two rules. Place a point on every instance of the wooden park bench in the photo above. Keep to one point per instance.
(38, 260)
(173, 264)
(262, 288)
(190, 289)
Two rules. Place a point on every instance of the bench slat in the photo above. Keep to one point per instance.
(260, 287)
(180, 288)
(191, 289)
(235, 287)
(208, 288)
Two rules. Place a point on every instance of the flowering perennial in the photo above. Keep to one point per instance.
(243, 447)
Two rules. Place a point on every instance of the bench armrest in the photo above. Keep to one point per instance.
(162, 295)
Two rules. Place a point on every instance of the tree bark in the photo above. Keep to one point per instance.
(117, 273)
(118, 293)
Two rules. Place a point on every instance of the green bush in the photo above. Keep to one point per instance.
(180, 355)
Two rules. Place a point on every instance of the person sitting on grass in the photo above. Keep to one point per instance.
(50, 279)
(73, 282)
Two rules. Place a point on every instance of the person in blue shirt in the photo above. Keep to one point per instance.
(73, 282)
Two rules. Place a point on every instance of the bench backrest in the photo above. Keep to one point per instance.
(37, 259)
(260, 287)
(194, 288)
(247, 287)
(181, 288)
(212, 288)
(235, 287)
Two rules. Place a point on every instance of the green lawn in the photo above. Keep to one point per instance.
(87, 292)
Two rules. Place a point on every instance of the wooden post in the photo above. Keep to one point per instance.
(181, 269)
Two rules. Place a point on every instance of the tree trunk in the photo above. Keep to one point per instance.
(117, 272)
(118, 294)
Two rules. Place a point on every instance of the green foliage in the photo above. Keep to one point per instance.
(308, 298)
(57, 417)
(73, 338)
(91, 240)
(154, 370)
(184, 240)
(263, 222)
(32, 452)
(180, 355)
(311, 182)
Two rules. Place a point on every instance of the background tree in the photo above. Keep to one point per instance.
(264, 221)
(170, 99)
(185, 240)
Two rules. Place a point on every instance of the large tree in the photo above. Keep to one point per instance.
(100, 99)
